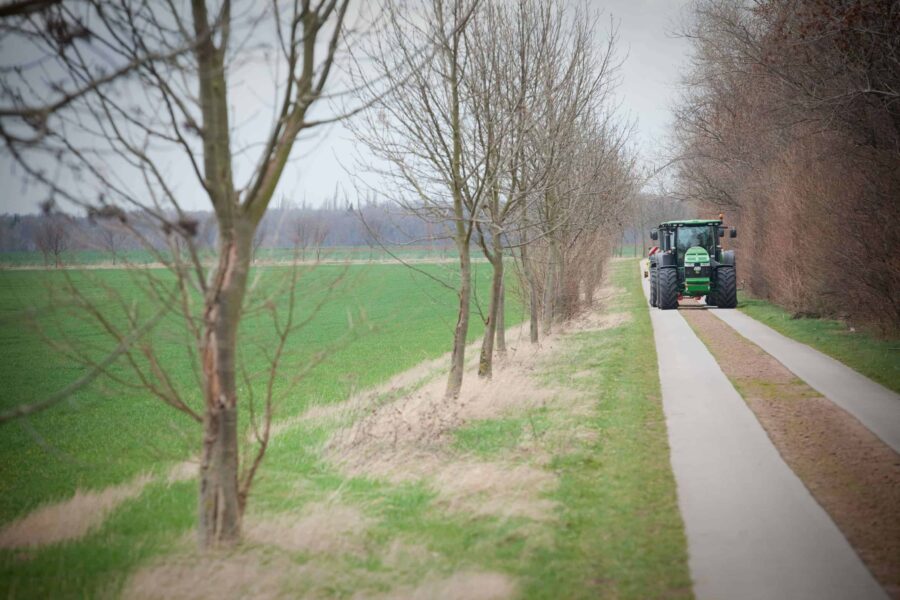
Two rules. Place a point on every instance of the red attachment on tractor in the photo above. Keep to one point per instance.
(653, 250)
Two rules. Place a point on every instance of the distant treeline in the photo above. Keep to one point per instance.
(292, 227)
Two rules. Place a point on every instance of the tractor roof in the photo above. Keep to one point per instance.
(691, 222)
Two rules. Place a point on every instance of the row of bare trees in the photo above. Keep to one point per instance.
(505, 139)
(790, 124)
(646, 211)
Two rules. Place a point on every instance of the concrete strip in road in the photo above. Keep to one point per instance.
(875, 406)
(753, 529)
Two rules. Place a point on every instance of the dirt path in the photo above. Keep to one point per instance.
(753, 529)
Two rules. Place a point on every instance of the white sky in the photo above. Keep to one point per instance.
(653, 62)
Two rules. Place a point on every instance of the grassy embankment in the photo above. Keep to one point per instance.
(876, 358)
(614, 532)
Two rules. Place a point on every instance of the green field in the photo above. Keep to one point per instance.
(876, 358)
(106, 434)
(615, 531)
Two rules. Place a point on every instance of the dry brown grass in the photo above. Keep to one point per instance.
(259, 576)
(495, 488)
(595, 321)
(410, 438)
(462, 585)
(322, 528)
(211, 577)
(183, 471)
(71, 519)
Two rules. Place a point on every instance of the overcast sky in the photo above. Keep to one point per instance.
(653, 61)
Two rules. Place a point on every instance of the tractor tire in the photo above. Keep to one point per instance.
(653, 279)
(667, 294)
(710, 298)
(726, 287)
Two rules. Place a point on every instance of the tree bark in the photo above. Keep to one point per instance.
(501, 320)
(547, 302)
(220, 507)
(486, 361)
(534, 303)
(463, 231)
(458, 356)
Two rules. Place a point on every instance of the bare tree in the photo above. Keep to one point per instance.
(160, 87)
(420, 130)
(578, 155)
(112, 238)
(52, 238)
(486, 138)
(309, 232)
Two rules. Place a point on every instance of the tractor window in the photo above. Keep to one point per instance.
(688, 237)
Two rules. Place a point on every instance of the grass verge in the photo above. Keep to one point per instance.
(620, 535)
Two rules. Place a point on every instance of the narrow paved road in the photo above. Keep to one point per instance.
(753, 529)
(875, 406)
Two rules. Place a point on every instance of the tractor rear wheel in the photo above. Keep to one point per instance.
(653, 278)
(726, 287)
(667, 294)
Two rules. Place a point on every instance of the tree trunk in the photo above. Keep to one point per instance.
(533, 303)
(561, 308)
(547, 302)
(220, 507)
(458, 356)
(501, 320)
(486, 362)
(533, 309)
(463, 235)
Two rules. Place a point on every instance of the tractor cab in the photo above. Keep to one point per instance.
(691, 262)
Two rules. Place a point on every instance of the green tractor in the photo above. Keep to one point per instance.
(690, 262)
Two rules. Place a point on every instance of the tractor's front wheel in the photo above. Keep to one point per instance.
(726, 287)
(653, 278)
(667, 294)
